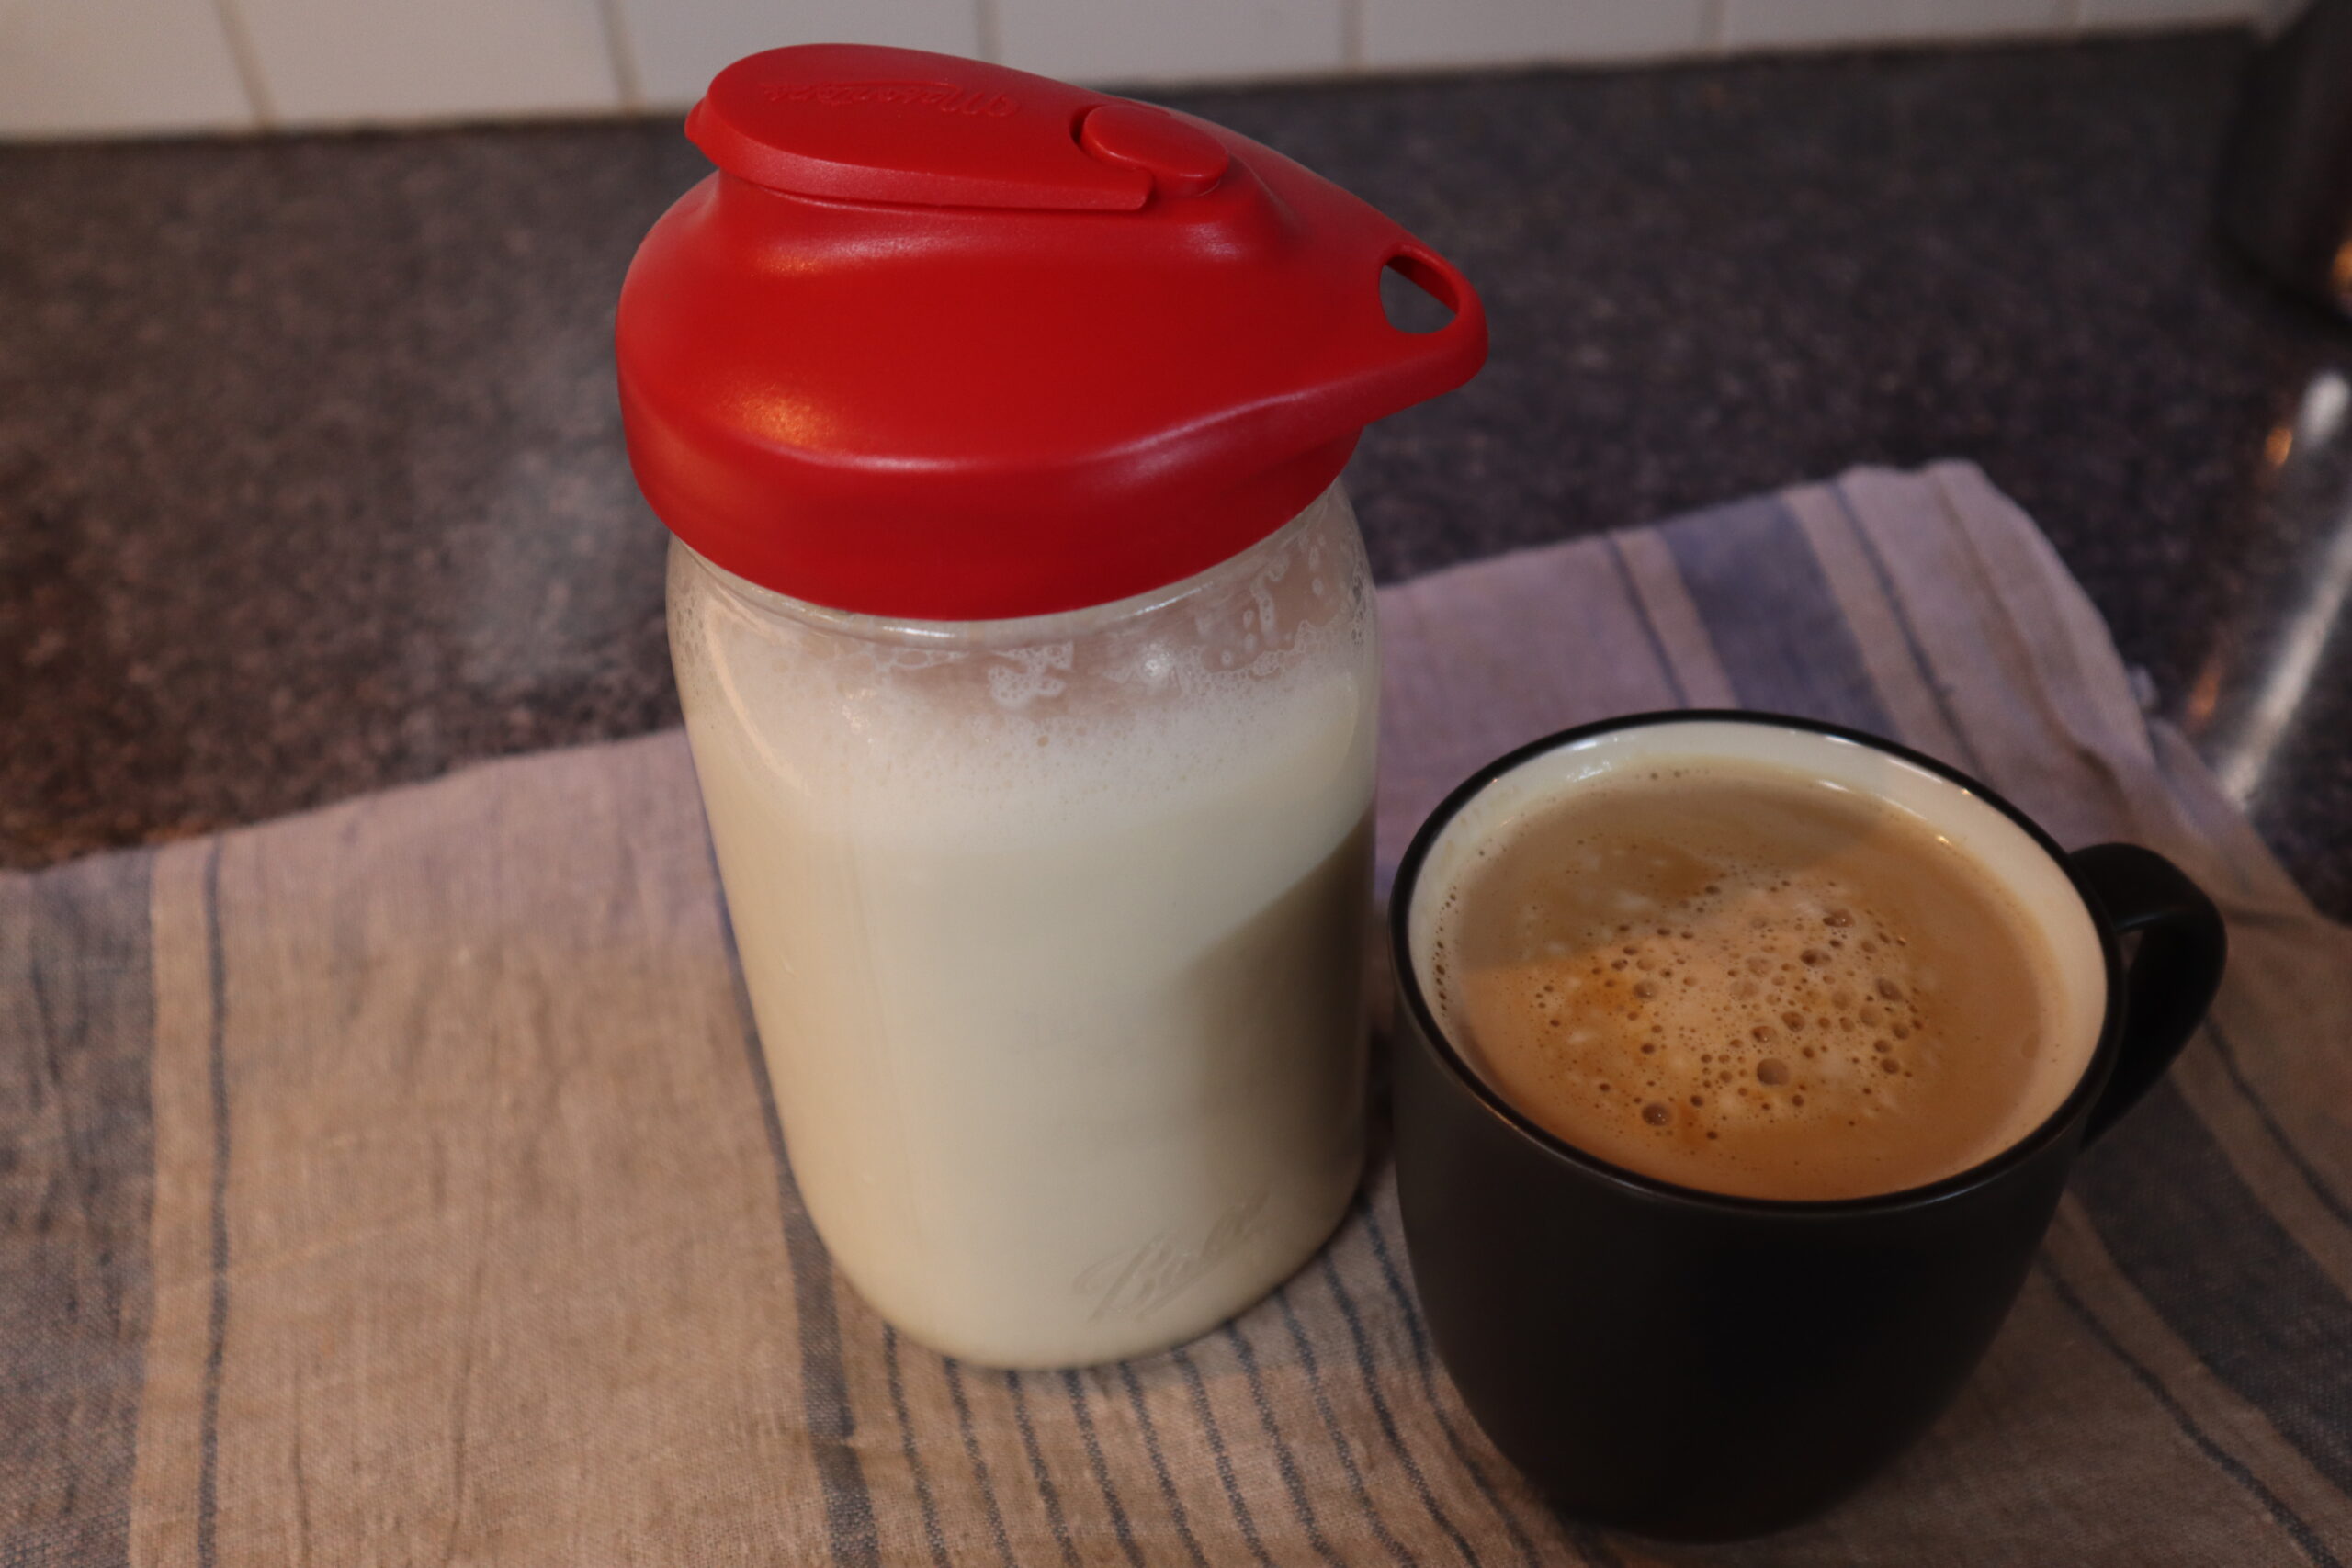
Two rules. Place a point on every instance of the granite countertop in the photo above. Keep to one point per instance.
(311, 481)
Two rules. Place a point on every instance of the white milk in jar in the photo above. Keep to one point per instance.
(1026, 647)
(1053, 936)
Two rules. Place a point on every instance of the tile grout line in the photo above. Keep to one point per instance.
(1715, 24)
(247, 61)
(987, 26)
(620, 54)
(1351, 37)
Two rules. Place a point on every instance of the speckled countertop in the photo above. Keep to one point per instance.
(311, 481)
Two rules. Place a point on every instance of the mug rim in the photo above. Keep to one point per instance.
(2087, 1085)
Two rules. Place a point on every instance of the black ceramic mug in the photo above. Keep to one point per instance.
(1694, 1366)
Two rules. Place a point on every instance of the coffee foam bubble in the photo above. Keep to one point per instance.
(1771, 996)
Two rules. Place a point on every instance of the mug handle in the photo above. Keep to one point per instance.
(2171, 979)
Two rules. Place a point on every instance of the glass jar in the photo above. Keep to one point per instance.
(1052, 929)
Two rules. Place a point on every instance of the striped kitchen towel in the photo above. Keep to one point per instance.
(396, 1184)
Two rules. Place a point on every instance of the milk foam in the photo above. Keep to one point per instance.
(1769, 986)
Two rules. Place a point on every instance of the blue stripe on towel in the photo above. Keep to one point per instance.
(1778, 634)
(77, 1188)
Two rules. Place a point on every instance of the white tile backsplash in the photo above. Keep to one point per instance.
(1987, 19)
(112, 67)
(1829, 24)
(74, 67)
(1170, 40)
(2122, 14)
(1777, 24)
(1404, 34)
(371, 62)
(677, 46)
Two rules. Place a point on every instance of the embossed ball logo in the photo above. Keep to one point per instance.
(1136, 1283)
(943, 96)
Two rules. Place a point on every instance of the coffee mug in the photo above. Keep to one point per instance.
(1694, 1366)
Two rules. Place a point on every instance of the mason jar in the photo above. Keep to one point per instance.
(1052, 929)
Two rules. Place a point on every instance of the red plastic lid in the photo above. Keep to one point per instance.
(946, 341)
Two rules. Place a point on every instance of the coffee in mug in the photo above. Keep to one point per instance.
(1733, 975)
